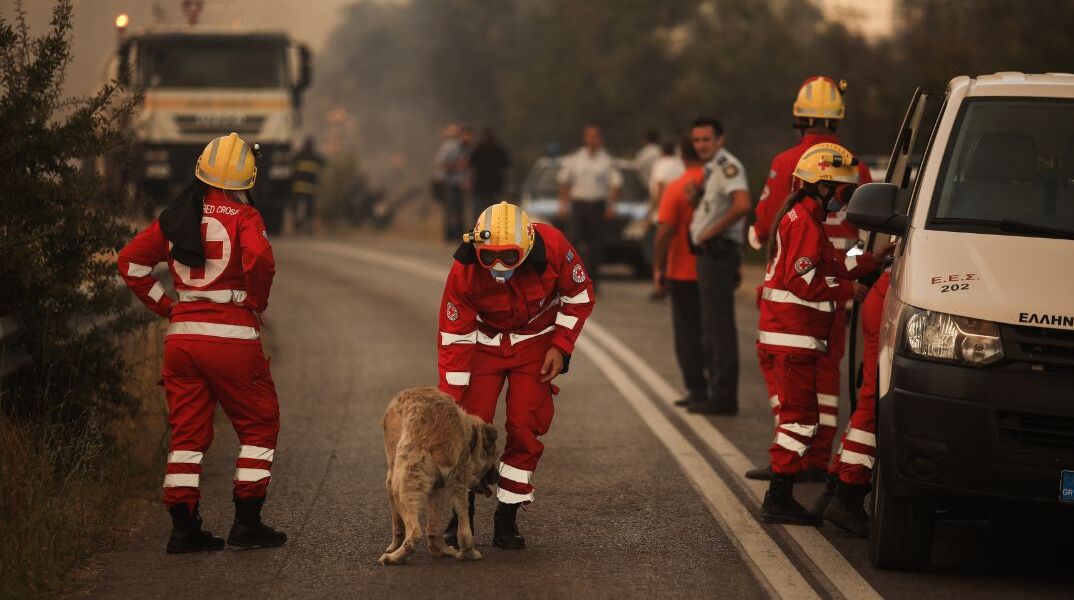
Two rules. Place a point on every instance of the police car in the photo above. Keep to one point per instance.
(625, 241)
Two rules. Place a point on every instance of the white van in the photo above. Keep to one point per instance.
(976, 406)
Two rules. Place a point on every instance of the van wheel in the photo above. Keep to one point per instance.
(900, 535)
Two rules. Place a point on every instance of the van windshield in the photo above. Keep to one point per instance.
(1009, 169)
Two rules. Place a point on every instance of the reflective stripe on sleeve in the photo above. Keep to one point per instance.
(156, 292)
(786, 297)
(457, 377)
(827, 400)
(243, 474)
(237, 332)
(181, 480)
(512, 498)
(861, 437)
(827, 420)
(785, 441)
(580, 298)
(488, 340)
(792, 340)
(856, 458)
(808, 275)
(773, 401)
(851, 262)
(186, 457)
(515, 474)
(257, 453)
(447, 339)
(134, 270)
(566, 320)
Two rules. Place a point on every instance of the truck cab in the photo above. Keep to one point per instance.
(976, 374)
(203, 82)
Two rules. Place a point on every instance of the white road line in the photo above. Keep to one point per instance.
(769, 563)
(842, 575)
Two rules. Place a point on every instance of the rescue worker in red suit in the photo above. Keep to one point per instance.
(214, 243)
(817, 111)
(857, 452)
(515, 301)
(801, 295)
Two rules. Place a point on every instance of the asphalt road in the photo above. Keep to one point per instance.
(634, 498)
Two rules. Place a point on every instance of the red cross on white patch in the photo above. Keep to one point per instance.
(217, 245)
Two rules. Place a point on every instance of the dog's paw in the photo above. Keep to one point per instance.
(444, 551)
(471, 554)
(387, 560)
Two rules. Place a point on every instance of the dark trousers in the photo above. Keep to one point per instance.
(717, 278)
(689, 350)
(454, 213)
(585, 229)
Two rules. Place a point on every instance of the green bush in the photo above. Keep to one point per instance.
(59, 229)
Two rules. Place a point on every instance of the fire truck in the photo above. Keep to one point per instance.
(200, 82)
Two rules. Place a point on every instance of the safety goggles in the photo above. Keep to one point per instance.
(509, 256)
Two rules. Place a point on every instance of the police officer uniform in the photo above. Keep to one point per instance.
(718, 262)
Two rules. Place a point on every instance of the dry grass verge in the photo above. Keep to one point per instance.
(67, 493)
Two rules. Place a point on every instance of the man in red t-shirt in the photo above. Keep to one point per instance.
(675, 270)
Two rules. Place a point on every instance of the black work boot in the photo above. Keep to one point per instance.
(504, 529)
(451, 534)
(779, 505)
(830, 485)
(248, 531)
(187, 534)
(847, 509)
(765, 474)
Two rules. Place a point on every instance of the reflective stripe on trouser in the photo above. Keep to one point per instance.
(197, 375)
(795, 376)
(828, 388)
(529, 409)
(857, 453)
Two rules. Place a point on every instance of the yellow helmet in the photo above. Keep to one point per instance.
(827, 162)
(228, 163)
(502, 236)
(820, 98)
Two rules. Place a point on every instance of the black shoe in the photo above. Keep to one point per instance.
(689, 399)
(451, 534)
(765, 474)
(830, 484)
(505, 531)
(708, 408)
(187, 534)
(779, 505)
(248, 531)
(847, 509)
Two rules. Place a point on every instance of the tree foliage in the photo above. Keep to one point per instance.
(59, 229)
(538, 69)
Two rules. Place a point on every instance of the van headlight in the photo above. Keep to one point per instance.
(948, 338)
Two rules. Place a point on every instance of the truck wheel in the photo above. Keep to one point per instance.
(900, 534)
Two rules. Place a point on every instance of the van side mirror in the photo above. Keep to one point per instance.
(873, 208)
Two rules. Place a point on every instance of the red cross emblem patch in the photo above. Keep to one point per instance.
(803, 265)
(451, 311)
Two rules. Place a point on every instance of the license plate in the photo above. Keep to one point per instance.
(1066, 486)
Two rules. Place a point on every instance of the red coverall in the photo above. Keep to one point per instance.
(212, 351)
(780, 184)
(801, 295)
(857, 452)
(494, 332)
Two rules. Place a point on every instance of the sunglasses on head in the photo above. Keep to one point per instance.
(510, 257)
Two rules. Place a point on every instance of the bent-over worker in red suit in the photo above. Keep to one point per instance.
(514, 303)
